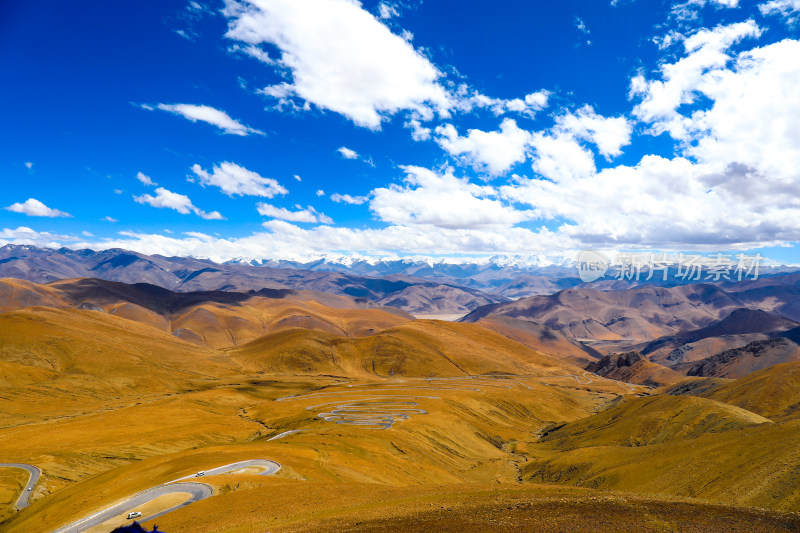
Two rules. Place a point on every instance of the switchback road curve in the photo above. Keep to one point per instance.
(33, 476)
(198, 491)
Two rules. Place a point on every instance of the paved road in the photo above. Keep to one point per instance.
(359, 408)
(286, 434)
(588, 377)
(33, 477)
(198, 491)
(270, 467)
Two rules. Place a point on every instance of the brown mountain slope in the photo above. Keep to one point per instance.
(164, 301)
(773, 392)
(96, 346)
(632, 367)
(436, 299)
(542, 339)
(742, 323)
(422, 348)
(211, 318)
(702, 349)
(184, 274)
(739, 362)
(56, 362)
(17, 294)
(754, 465)
(652, 420)
(220, 325)
(638, 314)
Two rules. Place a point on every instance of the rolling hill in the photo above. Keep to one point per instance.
(632, 367)
(633, 315)
(209, 318)
(111, 388)
(736, 329)
(773, 392)
(652, 420)
(542, 339)
(423, 348)
(739, 362)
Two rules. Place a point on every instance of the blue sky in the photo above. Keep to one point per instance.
(302, 128)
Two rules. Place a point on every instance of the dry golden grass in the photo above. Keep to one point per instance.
(219, 325)
(17, 294)
(462, 438)
(652, 420)
(12, 482)
(283, 507)
(107, 407)
(206, 319)
(773, 392)
(754, 466)
(421, 348)
(540, 338)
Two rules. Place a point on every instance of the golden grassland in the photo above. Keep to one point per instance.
(420, 348)
(295, 506)
(12, 482)
(108, 406)
(206, 322)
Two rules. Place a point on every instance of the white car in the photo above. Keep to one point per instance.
(134, 514)
(200, 473)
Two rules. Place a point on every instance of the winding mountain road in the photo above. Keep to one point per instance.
(197, 492)
(33, 476)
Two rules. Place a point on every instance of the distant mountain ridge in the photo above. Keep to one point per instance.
(183, 274)
(415, 285)
(207, 318)
(647, 313)
(509, 276)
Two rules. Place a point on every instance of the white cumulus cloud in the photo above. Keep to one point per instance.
(467, 99)
(179, 202)
(348, 199)
(442, 200)
(347, 153)
(341, 58)
(235, 180)
(788, 9)
(496, 151)
(282, 239)
(309, 214)
(34, 208)
(387, 10)
(209, 115)
(145, 179)
(609, 134)
(28, 236)
(706, 53)
(752, 103)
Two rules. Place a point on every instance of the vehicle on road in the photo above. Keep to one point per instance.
(200, 473)
(134, 514)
